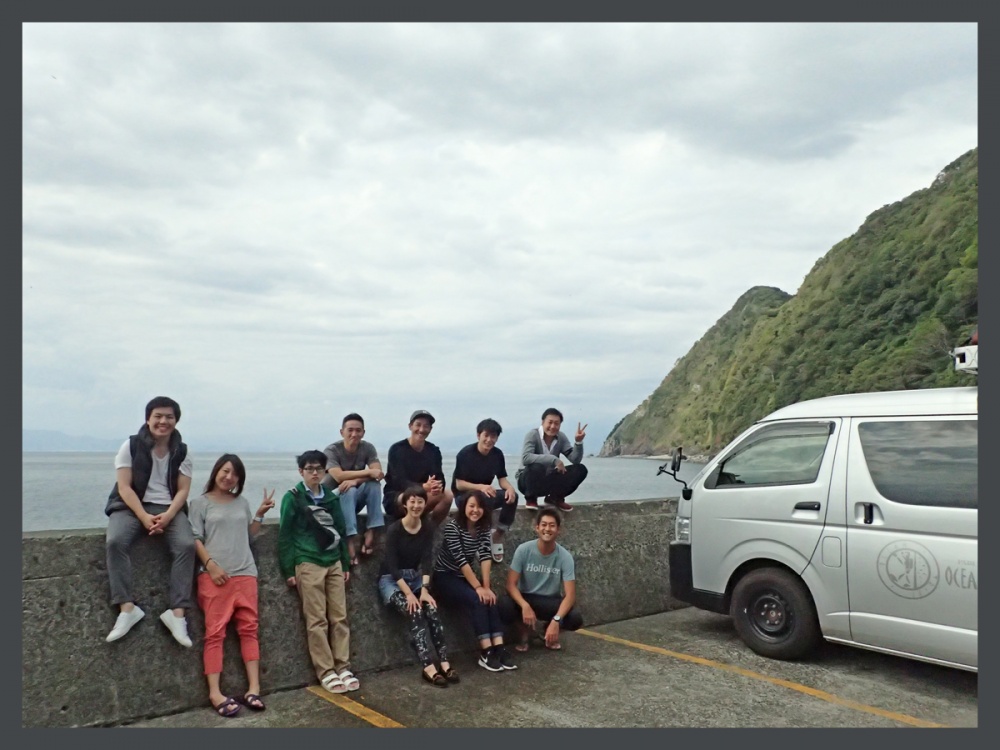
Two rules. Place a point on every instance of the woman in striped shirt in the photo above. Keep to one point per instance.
(465, 540)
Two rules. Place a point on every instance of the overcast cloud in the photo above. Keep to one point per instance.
(277, 224)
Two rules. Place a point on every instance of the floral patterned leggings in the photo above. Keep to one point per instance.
(425, 621)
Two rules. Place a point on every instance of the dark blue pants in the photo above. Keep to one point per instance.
(455, 590)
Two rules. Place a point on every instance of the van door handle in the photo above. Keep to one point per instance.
(807, 506)
(869, 512)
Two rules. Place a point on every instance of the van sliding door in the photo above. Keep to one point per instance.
(912, 536)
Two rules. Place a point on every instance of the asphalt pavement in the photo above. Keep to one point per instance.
(685, 668)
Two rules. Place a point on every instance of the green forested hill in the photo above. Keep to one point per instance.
(880, 311)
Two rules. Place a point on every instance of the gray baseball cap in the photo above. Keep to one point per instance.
(421, 413)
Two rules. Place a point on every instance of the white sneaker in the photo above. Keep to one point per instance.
(124, 623)
(177, 627)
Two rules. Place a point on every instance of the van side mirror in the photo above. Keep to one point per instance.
(675, 460)
(686, 493)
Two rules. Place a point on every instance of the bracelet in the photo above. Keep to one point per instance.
(259, 519)
(205, 564)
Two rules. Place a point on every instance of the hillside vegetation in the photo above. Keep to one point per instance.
(880, 311)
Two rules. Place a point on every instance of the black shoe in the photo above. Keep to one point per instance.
(504, 657)
(489, 659)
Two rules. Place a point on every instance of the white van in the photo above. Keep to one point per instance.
(853, 518)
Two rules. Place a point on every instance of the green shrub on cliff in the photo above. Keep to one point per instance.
(880, 311)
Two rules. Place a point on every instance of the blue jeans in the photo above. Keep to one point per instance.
(366, 495)
(455, 590)
(387, 586)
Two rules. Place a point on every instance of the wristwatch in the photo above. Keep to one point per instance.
(557, 618)
(259, 519)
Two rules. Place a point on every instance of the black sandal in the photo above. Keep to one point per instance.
(437, 680)
(451, 675)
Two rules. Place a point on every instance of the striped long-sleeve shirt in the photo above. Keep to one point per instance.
(459, 547)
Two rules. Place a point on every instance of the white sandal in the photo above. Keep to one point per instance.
(333, 683)
(349, 680)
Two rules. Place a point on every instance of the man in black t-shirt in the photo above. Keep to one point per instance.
(476, 466)
(416, 461)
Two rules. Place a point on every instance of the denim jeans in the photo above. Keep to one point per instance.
(366, 495)
(455, 590)
(387, 586)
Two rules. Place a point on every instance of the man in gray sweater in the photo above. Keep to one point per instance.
(542, 470)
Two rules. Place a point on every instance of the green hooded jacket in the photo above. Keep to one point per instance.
(297, 541)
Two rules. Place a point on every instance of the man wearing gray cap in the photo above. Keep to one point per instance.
(416, 461)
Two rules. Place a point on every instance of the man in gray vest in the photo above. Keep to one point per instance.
(150, 498)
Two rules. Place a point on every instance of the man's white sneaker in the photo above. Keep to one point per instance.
(124, 623)
(177, 627)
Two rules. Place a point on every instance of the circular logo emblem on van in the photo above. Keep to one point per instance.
(908, 569)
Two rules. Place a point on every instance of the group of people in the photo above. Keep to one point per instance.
(317, 543)
(355, 471)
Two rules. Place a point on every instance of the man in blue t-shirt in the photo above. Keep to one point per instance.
(541, 585)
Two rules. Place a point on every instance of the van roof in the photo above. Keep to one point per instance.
(925, 401)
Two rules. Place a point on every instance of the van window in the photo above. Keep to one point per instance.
(926, 462)
(781, 454)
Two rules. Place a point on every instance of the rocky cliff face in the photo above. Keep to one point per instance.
(880, 311)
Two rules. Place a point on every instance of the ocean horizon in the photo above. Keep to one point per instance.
(82, 505)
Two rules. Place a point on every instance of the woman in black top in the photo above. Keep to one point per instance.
(403, 581)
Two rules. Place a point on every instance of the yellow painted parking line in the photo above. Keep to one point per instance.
(362, 712)
(821, 694)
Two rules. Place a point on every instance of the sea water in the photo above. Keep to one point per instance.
(68, 490)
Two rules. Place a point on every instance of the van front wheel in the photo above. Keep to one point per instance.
(774, 614)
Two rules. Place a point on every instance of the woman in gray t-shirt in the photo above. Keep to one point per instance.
(227, 579)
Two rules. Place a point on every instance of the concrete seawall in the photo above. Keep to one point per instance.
(71, 677)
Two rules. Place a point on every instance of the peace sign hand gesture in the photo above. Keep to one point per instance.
(581, 432)
(267, 503)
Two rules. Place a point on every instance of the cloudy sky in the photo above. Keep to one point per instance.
(277, 224)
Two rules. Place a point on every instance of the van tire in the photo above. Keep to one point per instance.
(774, 614)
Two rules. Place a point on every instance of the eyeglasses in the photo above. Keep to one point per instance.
(313, 469)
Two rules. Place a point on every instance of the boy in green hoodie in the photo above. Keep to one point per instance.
(313, 556)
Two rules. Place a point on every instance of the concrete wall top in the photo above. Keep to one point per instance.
(72, 677)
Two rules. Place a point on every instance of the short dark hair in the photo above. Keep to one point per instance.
(160, 402)
(352, 417)
(241, 472)
(487, 518)
(411, 490)
(549, 512)
(489, 425)
(312, 456)
(552, 412)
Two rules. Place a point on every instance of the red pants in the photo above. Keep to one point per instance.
(236, 599)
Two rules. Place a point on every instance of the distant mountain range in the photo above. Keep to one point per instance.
(51, 440)
(880, 311)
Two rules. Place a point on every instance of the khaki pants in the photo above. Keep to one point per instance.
(324, 608)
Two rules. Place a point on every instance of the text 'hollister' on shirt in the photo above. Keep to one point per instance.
(542, 574)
